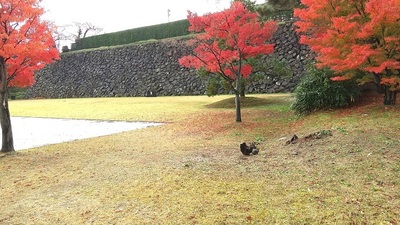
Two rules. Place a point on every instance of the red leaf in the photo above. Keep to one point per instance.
(28, 47)
(353, 35)
(227, 40)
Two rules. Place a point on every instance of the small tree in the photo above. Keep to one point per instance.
(228, 40)
(59, 35)
(26, 45)
(73, 32)
(356, 35)
(83, 30)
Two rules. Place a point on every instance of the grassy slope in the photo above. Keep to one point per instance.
(190, 170)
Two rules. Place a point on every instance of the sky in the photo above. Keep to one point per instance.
(117, 15)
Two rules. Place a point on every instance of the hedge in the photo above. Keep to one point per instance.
(160, 31)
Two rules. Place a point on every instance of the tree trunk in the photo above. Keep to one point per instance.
(7, 136)
(390, 96)
(237, 101)
(377, 82)
(242, 88)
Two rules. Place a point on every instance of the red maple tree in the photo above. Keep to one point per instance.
(224, 43)
(26, 45)
(352, 36)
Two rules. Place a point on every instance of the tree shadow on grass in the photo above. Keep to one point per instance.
(247, 102)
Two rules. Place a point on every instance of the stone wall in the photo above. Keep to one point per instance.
(152, 69)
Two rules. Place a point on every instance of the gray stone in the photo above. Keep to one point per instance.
(131, 70)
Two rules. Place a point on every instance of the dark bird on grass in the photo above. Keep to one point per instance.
(293, 140)
(248, 150)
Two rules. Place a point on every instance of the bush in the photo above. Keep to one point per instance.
(17, 93)
(317, 91)
(65, 48)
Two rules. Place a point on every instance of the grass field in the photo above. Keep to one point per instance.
(190, 170)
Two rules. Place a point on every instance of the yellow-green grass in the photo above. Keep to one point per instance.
(163, 109)
(190, 170)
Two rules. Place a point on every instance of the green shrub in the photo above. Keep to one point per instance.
(64, 49)
(279, 67)
(214, 82)
(17, 93)
(212, 86)
(317, 91)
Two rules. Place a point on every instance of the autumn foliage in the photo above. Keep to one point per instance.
(355, 35)
(26, 42)
(226, 40)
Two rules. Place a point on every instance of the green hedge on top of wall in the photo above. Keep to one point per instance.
(160, 31)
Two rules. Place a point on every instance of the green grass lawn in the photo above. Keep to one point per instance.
(190, 170)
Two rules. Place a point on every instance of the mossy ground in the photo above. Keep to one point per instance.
(190, 170)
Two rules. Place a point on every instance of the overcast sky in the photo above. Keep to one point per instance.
(116, 15)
